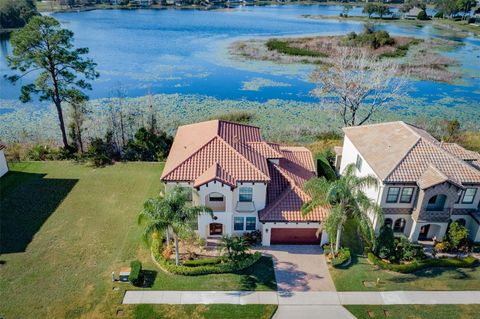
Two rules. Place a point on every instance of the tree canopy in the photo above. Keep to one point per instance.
(43, 48)
(16, 13)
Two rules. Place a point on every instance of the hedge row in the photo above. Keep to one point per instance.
(467, 262)
(219, 268)
(203, 262)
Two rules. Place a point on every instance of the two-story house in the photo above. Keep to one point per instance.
(250, 184)
(424, 184)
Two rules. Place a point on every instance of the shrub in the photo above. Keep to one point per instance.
(285, 48)
(220, 268)
(443, 246)
(167, 252)
(236, 247)
(234, 116)
(136, 274)
(385, 242)
(342, 257)
(457, 235)
(253, 237)
(416, 265)
(203, 262)
(373, 39)
(148, 145)
(102, 152)
(422, 15)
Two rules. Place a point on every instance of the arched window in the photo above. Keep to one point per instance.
(388, 222)
(461, 222)
(215, 201)
(436, 203)
(399, 226)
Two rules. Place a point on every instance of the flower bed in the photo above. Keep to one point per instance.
(342, 258)
(467, 262)
(214, 267)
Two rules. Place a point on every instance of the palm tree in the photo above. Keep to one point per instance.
(170, 214)
(346, 199)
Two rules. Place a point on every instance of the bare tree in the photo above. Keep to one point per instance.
(78, 111)
(359, 84)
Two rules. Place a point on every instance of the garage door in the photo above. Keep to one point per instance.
(295, 236)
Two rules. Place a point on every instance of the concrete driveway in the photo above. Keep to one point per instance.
(300, 268)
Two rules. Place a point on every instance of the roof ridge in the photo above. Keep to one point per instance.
(240, 154)
(401, 159)
(370, 125)
(459, 160)
(186, 159)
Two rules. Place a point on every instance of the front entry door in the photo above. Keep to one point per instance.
(216, 229)
(424, 232)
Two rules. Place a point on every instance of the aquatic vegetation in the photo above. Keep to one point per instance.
(281, 120)
(256, 84)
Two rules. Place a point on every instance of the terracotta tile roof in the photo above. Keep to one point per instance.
(460, 152)
(285, 195)
(425, 154)
(400, 152)
(433, 176)
(215, 172)
(2, 146)
(230, 153)
(217, 151)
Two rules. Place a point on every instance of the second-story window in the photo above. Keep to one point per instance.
(392, 195)
(359, 163)
(469, 196)
(407, 194)
(245, 194)
(215, 197)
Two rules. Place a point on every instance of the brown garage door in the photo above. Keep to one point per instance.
(295, 236)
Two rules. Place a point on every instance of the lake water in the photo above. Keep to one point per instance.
(185, 51)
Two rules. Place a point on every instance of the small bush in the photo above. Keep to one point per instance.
(416, 265)
(203, 262)
(234, 116)
(457, 235)
(220, 268)
(342, 257)
(422, 15)
(285, 48)
(136, 275)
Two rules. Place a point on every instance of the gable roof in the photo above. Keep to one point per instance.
(400, 152)
(285, 194)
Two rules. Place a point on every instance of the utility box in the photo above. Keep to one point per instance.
(124, 274)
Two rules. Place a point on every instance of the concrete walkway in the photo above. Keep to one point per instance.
(299, 268)
(314, 298)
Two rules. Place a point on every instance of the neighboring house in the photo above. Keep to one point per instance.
(424, 184)
(250, 184)
(412, 14)
(141, 3)
(3, 161)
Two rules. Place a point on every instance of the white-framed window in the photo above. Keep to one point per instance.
(469, 196)
(392, 195)
(358, 163)
(250, 223)
(215, 197)
(407, 194)
(245, 194)
(238, 223)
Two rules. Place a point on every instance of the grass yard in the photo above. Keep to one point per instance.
(65, 227)
(353, 276)
(415, 311)
(204, 311)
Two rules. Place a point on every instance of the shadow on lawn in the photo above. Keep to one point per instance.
(456, 273)
(26, 206)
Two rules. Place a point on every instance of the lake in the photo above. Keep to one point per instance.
(185, 52)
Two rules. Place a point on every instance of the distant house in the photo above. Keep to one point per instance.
(3, 161)
(250, 184)
(141, 3)
(412, 14)
(424, 184)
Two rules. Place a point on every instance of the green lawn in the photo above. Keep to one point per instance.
(204, 311)
(65, 227)
(352, 277)
(415, 311)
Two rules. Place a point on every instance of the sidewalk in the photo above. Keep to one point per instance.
(316, 298)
